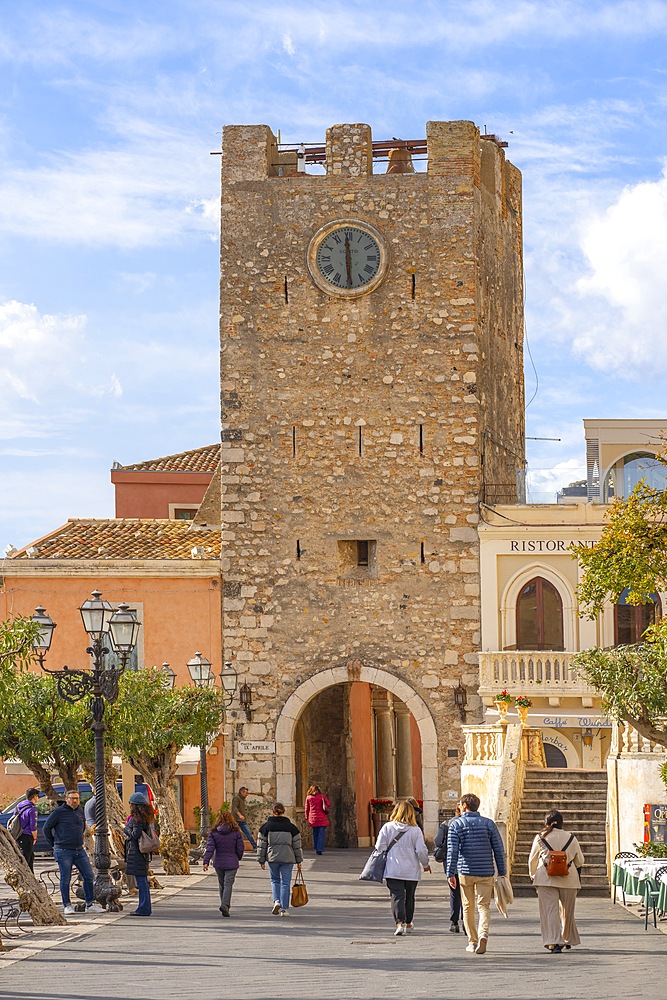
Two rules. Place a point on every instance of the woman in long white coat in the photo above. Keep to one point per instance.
(556, 894)
(405, 860)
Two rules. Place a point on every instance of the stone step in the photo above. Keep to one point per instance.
(565, 795)
(597, 868)
(536, 812)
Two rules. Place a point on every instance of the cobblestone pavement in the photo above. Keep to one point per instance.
(339, 946)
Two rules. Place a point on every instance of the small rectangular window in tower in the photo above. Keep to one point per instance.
(360, 442)
(298, 549)
(293, 442)
(421, 439)
(423, 555)
(357, 560)
(414, 284)
(287, 293)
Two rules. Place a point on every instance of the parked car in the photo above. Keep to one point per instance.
(46, 806)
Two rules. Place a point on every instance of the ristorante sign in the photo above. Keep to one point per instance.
(547, 545)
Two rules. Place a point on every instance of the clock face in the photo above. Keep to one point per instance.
(347, 258)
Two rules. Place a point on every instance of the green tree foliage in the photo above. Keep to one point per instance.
(42, 730)
(632, 552)
(16, 638)
(633, 681)
(149, 725)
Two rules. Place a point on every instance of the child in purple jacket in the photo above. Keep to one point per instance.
(225, 846)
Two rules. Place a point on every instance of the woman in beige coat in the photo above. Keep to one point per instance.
(556, 894)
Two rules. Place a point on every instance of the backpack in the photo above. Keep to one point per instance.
(14, 826)
(557, 865)
(440, 853)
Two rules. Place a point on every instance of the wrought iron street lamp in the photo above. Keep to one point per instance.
(203, 677)
(109, 631)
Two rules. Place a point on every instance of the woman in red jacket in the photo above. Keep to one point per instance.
(316, 809)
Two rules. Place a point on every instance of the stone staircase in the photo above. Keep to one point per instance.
(581, 796)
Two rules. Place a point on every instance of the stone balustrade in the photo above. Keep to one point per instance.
(626, 740)
(521, 672)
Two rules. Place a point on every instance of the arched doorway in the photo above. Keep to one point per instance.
(334, 730)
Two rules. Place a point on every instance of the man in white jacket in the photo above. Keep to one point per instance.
(407, 856)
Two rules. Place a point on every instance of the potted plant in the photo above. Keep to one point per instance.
(522, 705)
(380, 812)
(503, 702)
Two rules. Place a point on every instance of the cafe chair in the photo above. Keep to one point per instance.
(651, 895)
(622, 854)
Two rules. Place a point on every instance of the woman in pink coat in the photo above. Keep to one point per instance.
(316, 809)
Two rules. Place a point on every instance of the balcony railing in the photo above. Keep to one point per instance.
(549, 673)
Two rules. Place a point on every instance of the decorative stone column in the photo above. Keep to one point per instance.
(384, 744)
(403, 750)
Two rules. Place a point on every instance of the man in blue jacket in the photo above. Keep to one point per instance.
(473, 845)
(63, 831)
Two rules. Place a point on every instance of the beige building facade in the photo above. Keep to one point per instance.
(372, 396)
(531, 622)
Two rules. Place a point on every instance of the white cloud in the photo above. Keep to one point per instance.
(543, 484)
(48, 374)
(288, 45)
(625, 290)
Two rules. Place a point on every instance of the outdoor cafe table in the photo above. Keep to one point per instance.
(632, 874)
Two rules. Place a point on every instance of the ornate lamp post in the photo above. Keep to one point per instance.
(109, 631)
(202, 677)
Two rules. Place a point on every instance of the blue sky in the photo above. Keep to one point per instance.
(109, 205)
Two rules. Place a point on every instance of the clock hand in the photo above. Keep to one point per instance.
(348, 261)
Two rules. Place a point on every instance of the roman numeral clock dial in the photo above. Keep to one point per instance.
(347, 258)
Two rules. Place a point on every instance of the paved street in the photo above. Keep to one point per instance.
(340, 946)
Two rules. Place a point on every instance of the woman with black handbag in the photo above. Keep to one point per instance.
(407, 854)
(554, 865)
(138, 825)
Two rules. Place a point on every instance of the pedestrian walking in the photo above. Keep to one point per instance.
(419, 812)
(440, 843)
(27, 813)
(407, 855)
(63, 831)
(473, 844)
(280, 845)
(238, 801)
(140, 822)
(316, 807)
(225, 846)
(556, 893)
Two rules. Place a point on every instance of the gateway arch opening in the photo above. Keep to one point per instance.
(359, 743)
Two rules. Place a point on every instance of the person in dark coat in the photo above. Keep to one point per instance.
(140, 821)
(225, 846)
(440, 843)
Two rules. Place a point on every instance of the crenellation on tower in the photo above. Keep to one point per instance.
(349, 151)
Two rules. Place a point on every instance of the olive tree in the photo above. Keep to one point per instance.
(149, 725)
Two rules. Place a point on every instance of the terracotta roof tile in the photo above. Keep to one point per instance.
(123, 538)
(198, 460)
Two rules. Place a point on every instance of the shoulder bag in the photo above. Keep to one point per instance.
(557, 864)
(149, 841)
(299, 891)
(376, 864)
(14, 826)
(325, 807)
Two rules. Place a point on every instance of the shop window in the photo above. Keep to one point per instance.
(632, 620)
(539, 616)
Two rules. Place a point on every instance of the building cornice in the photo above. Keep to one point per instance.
(186, 568)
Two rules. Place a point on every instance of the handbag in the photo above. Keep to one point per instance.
(299, 891)
(376, 864)
(557, 864)
(325, 807)
(149, 841)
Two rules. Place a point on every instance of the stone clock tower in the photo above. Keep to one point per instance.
(371, 357)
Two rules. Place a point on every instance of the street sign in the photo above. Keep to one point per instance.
(256, 746)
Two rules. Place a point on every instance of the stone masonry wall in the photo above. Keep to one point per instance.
(364, 419)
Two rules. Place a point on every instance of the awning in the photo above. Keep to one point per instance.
(187, 760)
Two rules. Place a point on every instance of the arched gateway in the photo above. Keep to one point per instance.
(351, 672)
